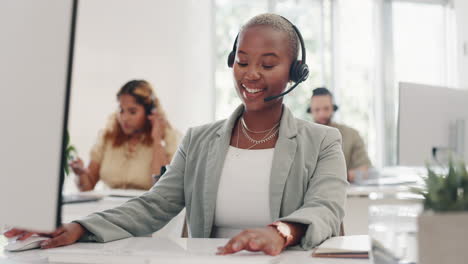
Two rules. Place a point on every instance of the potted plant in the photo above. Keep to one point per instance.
(443, 226)
(70, 153)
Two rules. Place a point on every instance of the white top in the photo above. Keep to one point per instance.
(243, 199)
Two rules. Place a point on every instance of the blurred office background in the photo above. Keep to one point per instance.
(359, 49)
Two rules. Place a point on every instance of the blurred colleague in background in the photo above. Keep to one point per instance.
(322, 108)
(133, 149)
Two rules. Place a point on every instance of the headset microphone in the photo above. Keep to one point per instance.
(269, 98)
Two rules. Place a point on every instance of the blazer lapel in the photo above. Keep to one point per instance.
(216, 156)
(283, 158)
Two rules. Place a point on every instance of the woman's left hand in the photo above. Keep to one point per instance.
(265, 239)
(158, 125)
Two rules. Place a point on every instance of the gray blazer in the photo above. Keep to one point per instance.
(307, 185)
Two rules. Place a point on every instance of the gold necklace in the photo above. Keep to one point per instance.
(266, 138)
(256, 132)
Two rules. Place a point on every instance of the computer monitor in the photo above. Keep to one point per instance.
(36, 54)
(431, 118)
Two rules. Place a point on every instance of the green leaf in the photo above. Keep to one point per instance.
(446, 192)
(69, 152)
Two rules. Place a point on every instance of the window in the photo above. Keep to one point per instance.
(421, 43)
(423, 46)
(355, 61)
(360, 50)
(379, 43)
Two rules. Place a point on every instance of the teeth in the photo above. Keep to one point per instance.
(251, 90)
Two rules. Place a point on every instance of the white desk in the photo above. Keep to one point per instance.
(180, 250)
(75, 211)
(159, 250)
(165, 246)
(359, 198)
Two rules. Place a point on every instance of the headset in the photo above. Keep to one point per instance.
(323, 91)
(130, 88)
(298, 72)
(149, 108)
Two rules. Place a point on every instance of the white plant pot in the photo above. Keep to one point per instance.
(443, 238)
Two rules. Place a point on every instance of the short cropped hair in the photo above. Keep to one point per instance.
(279, 23)
(321, 91)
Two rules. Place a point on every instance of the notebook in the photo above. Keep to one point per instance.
(344, 247)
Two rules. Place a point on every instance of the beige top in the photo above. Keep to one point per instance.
(122, 168)
(354, 148)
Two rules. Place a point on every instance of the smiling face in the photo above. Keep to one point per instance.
(261, 67)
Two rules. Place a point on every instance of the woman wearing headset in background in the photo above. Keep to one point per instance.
(262, 178)
(137, 143)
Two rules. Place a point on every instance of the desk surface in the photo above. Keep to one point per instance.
(158, 250)
(165, 246)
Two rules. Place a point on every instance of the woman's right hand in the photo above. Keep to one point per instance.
(64, 235)
(158, 125)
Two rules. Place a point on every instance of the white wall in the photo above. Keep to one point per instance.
(168, 43)
(461, 11)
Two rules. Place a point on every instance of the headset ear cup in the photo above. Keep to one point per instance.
(298, 72)
(149, 108)
(335, 108)
(303, 72)
(293, 71)
(231, 58)
(308, 110)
